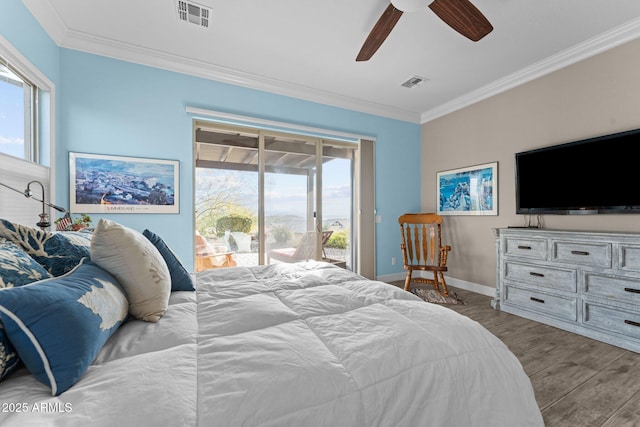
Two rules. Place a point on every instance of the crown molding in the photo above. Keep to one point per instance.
(157, 59)
(616, 37)
(49, 19)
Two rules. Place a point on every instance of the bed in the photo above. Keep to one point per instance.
(303, 344)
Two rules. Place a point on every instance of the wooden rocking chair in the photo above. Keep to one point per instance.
(422, 249)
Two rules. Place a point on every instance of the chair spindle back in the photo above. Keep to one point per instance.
(422, 249)
(421, 238)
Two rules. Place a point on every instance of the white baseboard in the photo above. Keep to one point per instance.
(470, 286)
(451, 281)
(391, 277)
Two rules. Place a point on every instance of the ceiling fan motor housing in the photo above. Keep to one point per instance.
(409, 5)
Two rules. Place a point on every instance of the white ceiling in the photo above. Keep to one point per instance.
(307, 49)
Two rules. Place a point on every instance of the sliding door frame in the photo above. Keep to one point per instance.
(362, 185)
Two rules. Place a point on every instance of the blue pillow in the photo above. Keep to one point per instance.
(66, 321)
(180, 278)
(17, 268)
(9, 359)
(57, 252)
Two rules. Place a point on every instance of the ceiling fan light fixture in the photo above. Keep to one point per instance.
(409, 5)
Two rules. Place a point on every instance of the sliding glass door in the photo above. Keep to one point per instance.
(338, 203)
(261, 196)
(290, 198)
(226, 198)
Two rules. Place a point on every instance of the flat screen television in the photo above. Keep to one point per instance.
(593, 176)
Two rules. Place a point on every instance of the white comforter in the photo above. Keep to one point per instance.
(289, 345)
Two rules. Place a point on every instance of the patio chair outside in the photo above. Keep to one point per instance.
(242, 240)
(207, 257)
(303, 252)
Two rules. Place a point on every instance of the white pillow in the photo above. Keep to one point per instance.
(137, 265)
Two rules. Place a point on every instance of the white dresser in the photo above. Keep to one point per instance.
(583, 282)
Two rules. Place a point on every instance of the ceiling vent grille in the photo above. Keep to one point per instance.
(193, 13)
(414, 81)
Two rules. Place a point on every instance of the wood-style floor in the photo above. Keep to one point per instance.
(578, 382)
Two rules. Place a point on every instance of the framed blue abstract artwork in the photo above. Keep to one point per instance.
(468, 191)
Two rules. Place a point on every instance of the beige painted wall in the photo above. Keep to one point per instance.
(597, 96)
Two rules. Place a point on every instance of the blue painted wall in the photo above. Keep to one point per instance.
(114, 107)
(24, 33)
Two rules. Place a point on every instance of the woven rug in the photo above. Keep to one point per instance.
(431, 295)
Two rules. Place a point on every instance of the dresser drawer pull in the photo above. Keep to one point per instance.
(632, 323)
(537, 300)
(633, 291)
(579, 253)
(533, 273)
(524, 247)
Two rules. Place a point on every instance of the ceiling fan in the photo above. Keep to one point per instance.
(460, 15)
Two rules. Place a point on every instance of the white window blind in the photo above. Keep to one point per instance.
(14, 206)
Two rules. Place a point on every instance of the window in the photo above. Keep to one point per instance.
(27, 134)
(17, 114)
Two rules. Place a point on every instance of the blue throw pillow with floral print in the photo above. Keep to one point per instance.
(57, 252)
(9, 359)
(66, 321)
(16, 269)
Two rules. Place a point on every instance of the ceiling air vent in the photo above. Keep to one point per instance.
(414, 81)
(193, 13)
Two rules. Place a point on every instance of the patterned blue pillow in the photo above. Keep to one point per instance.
(8, 357)
(16, 269)
(180, 278)
(66, 322)
(58, 252)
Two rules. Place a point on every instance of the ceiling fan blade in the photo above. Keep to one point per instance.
(463, 17)
(379, 33)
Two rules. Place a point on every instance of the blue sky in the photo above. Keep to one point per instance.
(287, 194)
(11, 119)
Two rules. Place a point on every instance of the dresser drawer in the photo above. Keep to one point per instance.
(564, 308)
(528, 248)
(548, 277)
(611, 319)
(585, 253)
(630, 257)
(619, 289)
